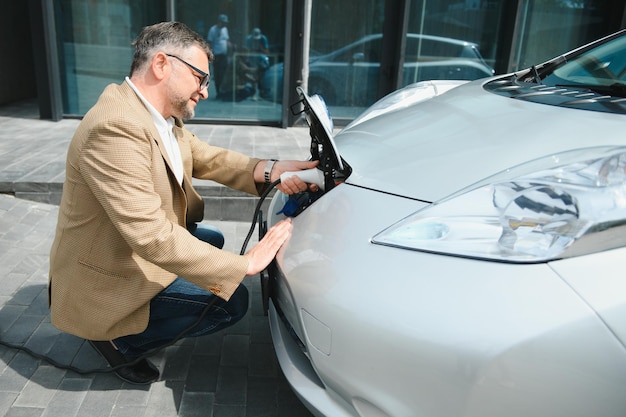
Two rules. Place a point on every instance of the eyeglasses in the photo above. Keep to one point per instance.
(204, 77)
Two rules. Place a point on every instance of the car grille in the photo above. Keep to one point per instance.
(570, 97)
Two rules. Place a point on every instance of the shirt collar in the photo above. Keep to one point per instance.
(160, 122)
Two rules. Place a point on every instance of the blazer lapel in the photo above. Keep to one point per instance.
(148, 121)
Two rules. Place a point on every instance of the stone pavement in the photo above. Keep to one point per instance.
(230, 374)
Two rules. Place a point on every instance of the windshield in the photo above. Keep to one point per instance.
(603, 66)
(592, 77)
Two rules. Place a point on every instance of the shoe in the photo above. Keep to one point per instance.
(143, 372)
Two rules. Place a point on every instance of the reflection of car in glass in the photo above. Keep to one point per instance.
(349, 75)
(467, 257)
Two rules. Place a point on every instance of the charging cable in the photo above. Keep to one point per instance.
(257, 217)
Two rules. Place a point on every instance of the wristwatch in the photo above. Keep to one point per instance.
(268, 170)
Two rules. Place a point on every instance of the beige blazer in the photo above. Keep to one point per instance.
(121, 235)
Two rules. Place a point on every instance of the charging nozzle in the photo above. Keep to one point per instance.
(311, 176)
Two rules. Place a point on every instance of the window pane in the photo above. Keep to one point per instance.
(95, 45)
(450, 40)
(344, 65)
(552, 27)
(242, 55)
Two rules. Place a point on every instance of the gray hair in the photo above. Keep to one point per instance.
(174, 36)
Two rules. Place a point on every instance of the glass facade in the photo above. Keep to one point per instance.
(345, 54)
(467, 38)
(94, 45)
(549, 28)
(348, 47)
(250, 24)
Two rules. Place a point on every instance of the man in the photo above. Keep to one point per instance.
(258, 48)
(257, 42)
(130, 266)
(219, 41)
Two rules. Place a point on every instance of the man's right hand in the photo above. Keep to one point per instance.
(260, 256)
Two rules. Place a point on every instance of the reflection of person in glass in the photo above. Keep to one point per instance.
(220, 42)
(239, 82)
(258, 48)
(257, 42)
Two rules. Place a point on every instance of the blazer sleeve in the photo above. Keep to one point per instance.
(227, 167)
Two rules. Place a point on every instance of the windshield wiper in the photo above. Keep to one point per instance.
(615, 89)
(537, 77)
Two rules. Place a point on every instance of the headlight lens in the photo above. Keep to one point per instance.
(406, 96)
(560, 206)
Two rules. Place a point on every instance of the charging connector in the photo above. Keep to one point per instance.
(311, 176)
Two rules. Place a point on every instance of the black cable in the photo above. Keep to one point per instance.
(155, 351)
(256, 214)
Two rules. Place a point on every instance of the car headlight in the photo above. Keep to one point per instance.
(406, 96)
(561, 206)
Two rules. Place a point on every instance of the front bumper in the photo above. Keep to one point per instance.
(299, 372)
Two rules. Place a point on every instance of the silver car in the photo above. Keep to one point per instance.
(346, 76)
(467, 254)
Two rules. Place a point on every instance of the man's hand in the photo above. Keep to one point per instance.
(293, 184)
(260, 256)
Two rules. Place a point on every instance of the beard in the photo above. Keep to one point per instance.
(182, 107)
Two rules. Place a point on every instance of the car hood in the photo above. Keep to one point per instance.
(437, 147)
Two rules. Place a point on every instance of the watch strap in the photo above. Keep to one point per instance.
(268, 170)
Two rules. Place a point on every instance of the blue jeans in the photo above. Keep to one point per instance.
(175, 309)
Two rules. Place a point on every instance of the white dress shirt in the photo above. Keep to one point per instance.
(164, 128)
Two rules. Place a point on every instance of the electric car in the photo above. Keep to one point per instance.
(346, 76)
(466, 255)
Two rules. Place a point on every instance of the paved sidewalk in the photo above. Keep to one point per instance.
(230, 374)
